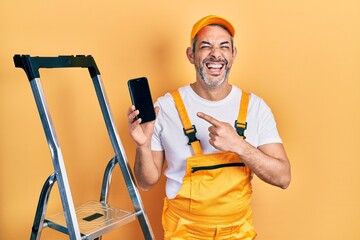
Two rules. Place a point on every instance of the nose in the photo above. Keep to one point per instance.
(215, 52)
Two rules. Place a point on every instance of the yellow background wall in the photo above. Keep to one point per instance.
(302, 57)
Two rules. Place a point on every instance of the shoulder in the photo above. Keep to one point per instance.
(258, 102)
(167, 99)
(164, 100)
(255, 100)
(257, 105)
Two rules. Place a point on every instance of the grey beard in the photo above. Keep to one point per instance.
(210, 83)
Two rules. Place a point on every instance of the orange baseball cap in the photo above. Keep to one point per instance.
(211, 19)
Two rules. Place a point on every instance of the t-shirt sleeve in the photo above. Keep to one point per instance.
(268, 132)
(156, 144)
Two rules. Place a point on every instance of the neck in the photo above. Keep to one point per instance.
(211, 94)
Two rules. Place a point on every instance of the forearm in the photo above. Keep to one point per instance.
(146, 170)
(269, 163)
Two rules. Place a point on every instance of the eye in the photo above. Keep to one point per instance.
(205, 47)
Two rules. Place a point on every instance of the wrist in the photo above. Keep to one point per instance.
(243, 148)
(143, 147)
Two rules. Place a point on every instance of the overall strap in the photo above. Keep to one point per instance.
(241, 124)
(189, 129)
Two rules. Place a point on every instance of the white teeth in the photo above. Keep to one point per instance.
(210, 66)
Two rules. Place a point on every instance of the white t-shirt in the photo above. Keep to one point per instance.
(169, 136)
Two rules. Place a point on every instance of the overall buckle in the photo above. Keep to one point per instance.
(191, 134)
(240, 128)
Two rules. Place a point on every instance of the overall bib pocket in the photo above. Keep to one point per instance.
(213, 167)
(215, 184)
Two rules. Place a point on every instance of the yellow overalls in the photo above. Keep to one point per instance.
(214, 200)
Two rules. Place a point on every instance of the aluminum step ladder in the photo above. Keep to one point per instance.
(92, 219)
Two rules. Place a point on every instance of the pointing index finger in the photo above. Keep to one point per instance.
(208, 118)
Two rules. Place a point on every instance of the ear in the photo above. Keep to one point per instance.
(190, 55)
(234, 52)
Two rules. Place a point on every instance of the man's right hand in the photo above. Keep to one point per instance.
(140, 133)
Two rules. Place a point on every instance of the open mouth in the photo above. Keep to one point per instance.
(215, 66)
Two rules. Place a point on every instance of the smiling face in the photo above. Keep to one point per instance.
(213, 55)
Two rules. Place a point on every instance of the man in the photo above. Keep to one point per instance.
(214, 137)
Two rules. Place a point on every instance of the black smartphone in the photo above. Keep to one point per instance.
(141, 97)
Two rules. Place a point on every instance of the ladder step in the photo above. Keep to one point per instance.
(94, 218)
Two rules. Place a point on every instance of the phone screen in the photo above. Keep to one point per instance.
(141, 97)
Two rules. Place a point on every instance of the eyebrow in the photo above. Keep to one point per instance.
(222, 43)
(205, 42)
(225, 42)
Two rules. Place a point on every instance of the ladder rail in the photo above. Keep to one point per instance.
(41, 207)
(57, 159)
(121, 158)
(107, 180)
